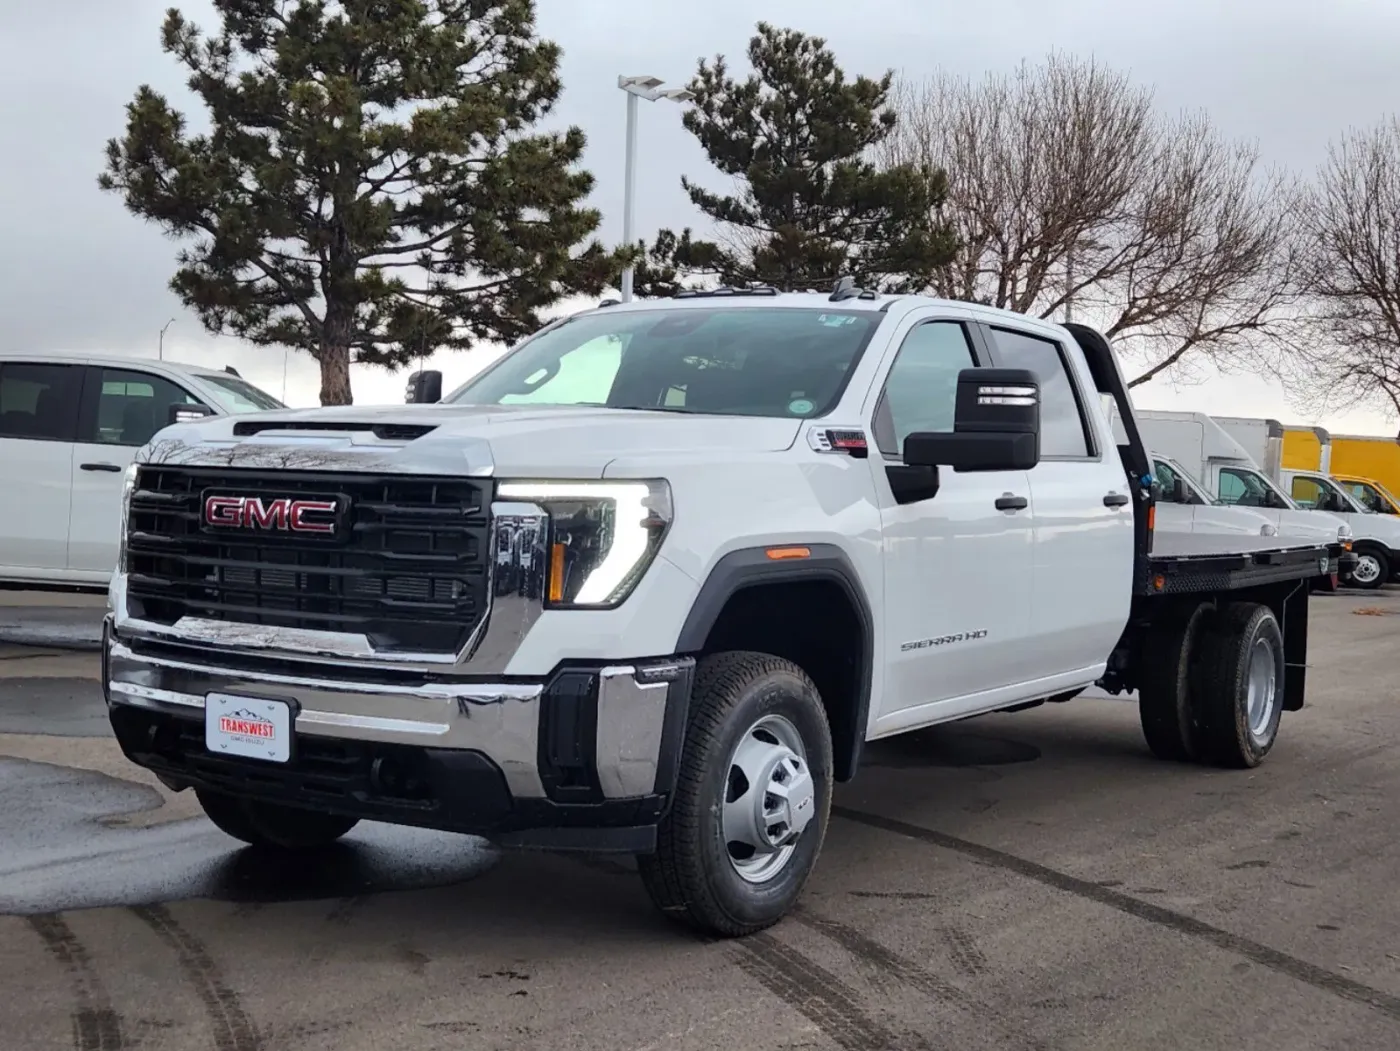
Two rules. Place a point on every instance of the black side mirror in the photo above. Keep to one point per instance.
(186, 413)
(424, 388)
(1180, 494)
(996, 425)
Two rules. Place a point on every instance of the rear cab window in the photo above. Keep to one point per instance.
(39, 400)
(1064, 424)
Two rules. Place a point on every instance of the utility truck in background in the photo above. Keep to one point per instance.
(661, 609)
(1357, 501)
(1230, 475)
(1367, 466)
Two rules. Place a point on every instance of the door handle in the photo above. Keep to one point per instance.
(1115, 500)
(100, 467)
(1010, 502)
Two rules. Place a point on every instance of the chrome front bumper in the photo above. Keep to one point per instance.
(587, 735)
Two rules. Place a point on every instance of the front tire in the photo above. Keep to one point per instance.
(262, 824)
(1372, 569)
(752, 799)
(1238, 685)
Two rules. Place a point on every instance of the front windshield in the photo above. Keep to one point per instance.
(236, 395)
(1372, 496)
(734, 361)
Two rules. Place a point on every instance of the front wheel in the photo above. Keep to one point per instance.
(752, 798)
(1372, 569)
(262, 824)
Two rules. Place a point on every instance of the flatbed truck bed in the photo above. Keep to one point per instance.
(1196, 563)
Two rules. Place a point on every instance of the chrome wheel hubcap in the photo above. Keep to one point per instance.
(1263, 687)
(1367, 569)
(769, 799)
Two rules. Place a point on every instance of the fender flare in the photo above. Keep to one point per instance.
(751, 567)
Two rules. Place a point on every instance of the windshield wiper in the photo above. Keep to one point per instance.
(653, 408)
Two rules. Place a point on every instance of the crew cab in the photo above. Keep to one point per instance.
(651, 581)
(69, 426)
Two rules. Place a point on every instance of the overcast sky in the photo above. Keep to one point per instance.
(79, 272)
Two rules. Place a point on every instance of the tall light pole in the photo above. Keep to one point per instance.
(648, 88)
(160, 346)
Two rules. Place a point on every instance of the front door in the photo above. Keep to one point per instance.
(121, 410)
(957, 563)
(38, 416)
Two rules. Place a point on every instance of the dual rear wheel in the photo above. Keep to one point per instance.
(1215, 688)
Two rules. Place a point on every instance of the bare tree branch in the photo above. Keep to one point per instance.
(1065, 186)
(1351, 214)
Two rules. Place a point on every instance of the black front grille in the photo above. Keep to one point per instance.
(408, 568)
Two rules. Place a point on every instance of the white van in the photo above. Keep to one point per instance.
(69, 426)
(1227, 472)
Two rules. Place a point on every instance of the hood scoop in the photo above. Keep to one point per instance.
(385, 432)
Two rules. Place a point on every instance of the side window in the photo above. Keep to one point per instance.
(1232, 489)
(39, 402)
(131, 406)
(1368, 497)
(922, 387)
(1306, 492)
(1062, 431)
(1166, 481)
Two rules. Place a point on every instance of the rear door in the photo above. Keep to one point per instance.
(121, 409)
(1084, 547)
(38, 420)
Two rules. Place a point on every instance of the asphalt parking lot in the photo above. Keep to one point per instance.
(1033, 880)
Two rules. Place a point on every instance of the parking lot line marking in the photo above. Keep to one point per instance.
(1281, 962)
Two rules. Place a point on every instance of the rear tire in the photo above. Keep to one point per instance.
(756, 765)
(1372, 569)
(1165, 697)
(262, 824)
(1238, 685)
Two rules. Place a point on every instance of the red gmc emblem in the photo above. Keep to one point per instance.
(284, 513)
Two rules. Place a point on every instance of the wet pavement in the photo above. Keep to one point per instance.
(1021, 881)
(70, 620)
(60, 856)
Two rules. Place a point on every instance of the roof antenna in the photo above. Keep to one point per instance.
(845, 289)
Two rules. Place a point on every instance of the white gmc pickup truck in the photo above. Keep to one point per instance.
(650, 582)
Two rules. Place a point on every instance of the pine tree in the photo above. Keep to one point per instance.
(813, 206)
(371, 186)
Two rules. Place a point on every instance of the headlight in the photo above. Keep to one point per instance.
(128, 487)
(602, 536)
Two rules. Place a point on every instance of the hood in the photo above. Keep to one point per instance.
(1308, 523)
(480, 440)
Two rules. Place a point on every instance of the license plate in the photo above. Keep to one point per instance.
(249, 727)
